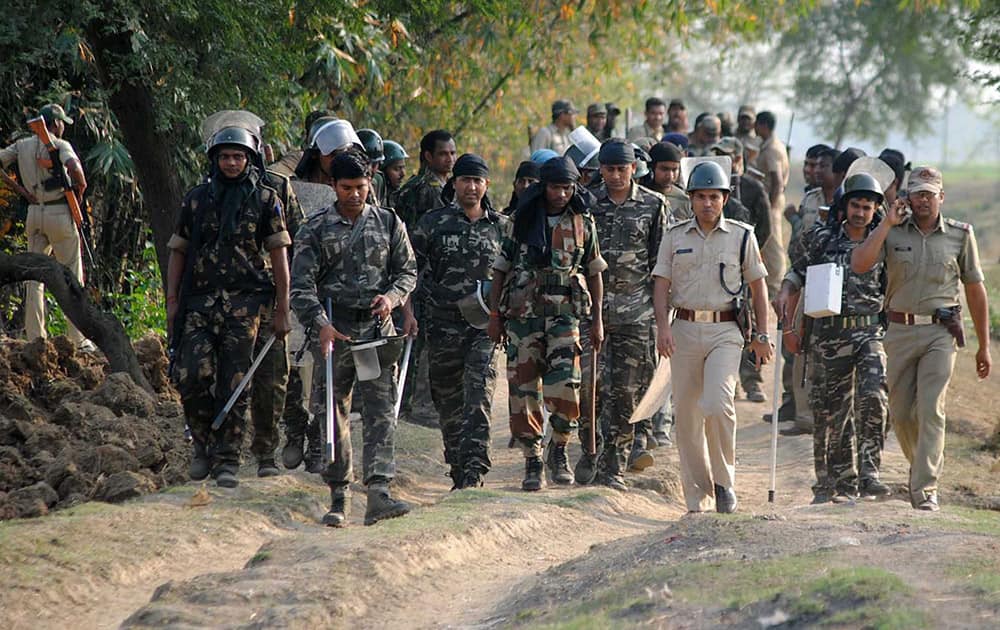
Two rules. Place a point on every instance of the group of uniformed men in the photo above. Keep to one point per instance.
(604, 252)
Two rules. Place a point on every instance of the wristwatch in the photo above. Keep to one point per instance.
(761, 337)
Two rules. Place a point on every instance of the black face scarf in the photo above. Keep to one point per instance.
(230, 195)
(530, 226)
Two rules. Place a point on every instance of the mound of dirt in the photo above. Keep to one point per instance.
(69, 432)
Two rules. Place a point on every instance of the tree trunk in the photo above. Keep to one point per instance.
(152, 150)
(101, 328)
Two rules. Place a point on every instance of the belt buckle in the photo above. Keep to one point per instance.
(920, 320)
(704, 317)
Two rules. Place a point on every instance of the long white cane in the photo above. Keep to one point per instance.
(774, 413)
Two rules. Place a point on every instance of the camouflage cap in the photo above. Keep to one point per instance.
(925, 178)
(597, 108)
(728, 146)
(563, 106)
(746, 110)
(53, 112)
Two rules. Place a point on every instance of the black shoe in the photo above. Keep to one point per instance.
(844, 496)
(615, 482)
(873, 488)
(532, 474)
(339, 506)
(457, 476)
(293, 452)
(266, 468)
(382, 506)
(200, 466)
(794, 430)
(558, 465)
(226, 479)
(585, 470)
(820, 497)
(472, 479)
(314, 459)
(756, 395)
(725, 500)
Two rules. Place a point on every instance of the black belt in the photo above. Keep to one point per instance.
(554, 289)
(57, 202)
(346, 313)
(843, 322)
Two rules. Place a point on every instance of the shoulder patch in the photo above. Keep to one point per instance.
(958, 224)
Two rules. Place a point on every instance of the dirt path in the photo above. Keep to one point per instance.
(498, 557)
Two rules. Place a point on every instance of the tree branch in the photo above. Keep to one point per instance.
(103, 329)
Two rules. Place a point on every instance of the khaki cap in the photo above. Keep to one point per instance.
(925, 178)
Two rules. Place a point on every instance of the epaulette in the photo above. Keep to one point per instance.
(958, 224)
(745, 226)
(684, 222)
(315, 214)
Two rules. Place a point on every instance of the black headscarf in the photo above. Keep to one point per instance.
(230, 194)
(530, 226)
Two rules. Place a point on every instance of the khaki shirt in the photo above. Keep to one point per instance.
(645, 131)
(551, 137)
(924, 270)
(28, 151)
(773, 158)
(690, 259)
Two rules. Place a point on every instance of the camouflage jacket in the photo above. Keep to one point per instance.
(629, 235)
(864, 293)
(559, 285)
(379, 190)
(294, 215)
(420, 194)
(455, 252)
(233, 259)
(350, 262)
(680, 203)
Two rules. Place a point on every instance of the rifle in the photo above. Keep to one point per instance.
(788, 142)
(82, 221)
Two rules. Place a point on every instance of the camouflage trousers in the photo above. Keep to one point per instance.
(416, 391)
(463, 373)
(378, 424)
(270, 383)
(849, 398)
(626, 366)
(543, 364)
(214, 355)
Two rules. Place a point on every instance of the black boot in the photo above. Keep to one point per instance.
(532, 474)
(382, 506)
(340, 503)
(612, 468)
(314, 458)
(293, 452)
(585, 470)
(266, 468)
(201, 464)
(457, 476)
(725, 500)
(558, 465)
(472, 479)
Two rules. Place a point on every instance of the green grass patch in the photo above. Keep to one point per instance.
(979, 575)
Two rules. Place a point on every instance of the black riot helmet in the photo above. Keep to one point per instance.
(862, 184)
(234, 136)
(373, 145)
(708, 176)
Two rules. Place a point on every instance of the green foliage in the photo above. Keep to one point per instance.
(140, 306)
(865, 68)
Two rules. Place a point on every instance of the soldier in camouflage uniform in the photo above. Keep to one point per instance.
(272, 381)
(847, 392)
(375, 149)
(421, 194)
(358, 255)
(547, 277)
(229, 223)
(630, 221)
(394, 171)
(455, 246)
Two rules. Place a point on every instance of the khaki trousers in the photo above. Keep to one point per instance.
(705, 369)
(919, 362)
(50, 231)
(773, 251)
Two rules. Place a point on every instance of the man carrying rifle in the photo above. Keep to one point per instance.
(217, 285)
(50, 226)
(926, 258)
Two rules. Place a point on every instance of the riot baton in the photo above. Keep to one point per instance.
(220, 418)
(774, 412)
(402, 376)
(331, 409)
(592, 436)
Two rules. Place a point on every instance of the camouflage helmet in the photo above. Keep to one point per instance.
(233, 136)
(393, 151)
(373, 144)
(708, 176)
(861, 183)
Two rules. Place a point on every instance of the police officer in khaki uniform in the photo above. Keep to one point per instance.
(703, 342)
(49, 226)
(926, 257)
